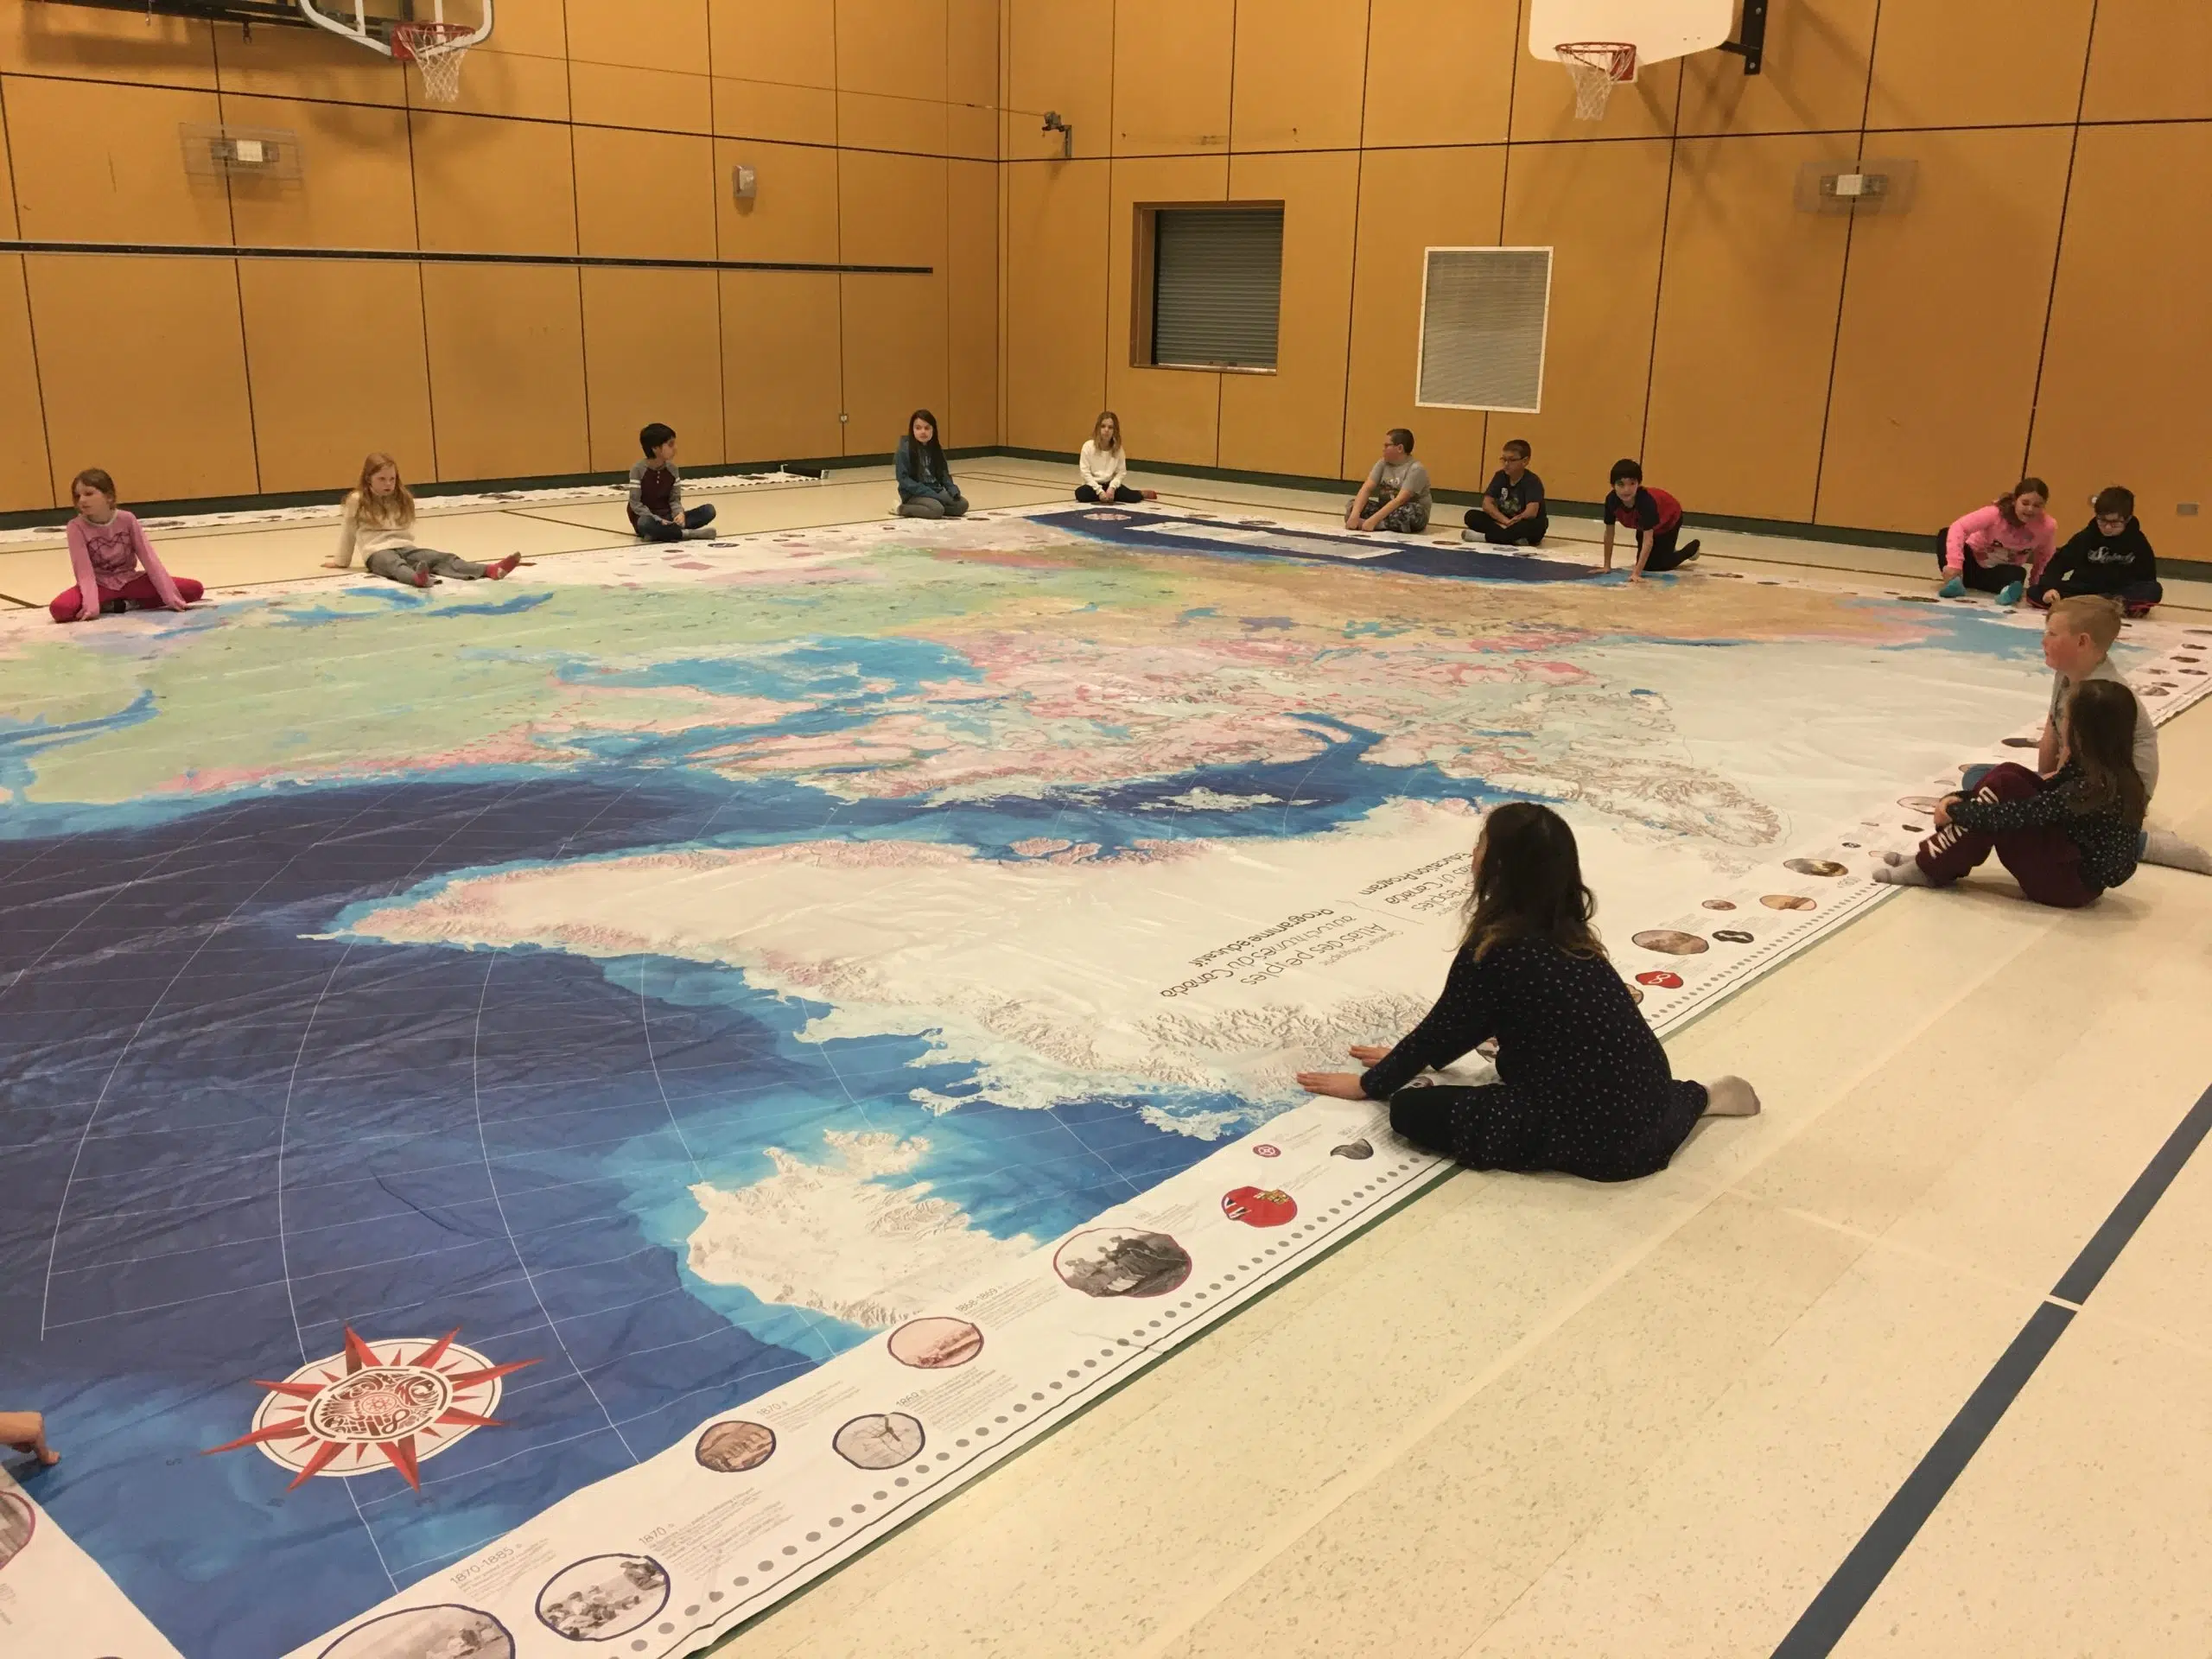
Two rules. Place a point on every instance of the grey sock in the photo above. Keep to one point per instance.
(700, 533)
(2165, 846)
(1906, 874)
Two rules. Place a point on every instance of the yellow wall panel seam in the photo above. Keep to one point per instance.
(2058, 249)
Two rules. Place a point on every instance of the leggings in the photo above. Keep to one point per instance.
(1122, 493)
(1665, 554)
(1982, 578)
(400, 564)
(2045, 862)
(950, 504)
(1521, 532)
(139, 590)
(660, 530)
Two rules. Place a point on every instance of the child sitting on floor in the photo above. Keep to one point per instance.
(1999, 548)
(379, 518)
(1105, 471)
(657, 510)
(115, 565)
(2109, 555)
(925, 486)
(1396, 495)
(1656, 517)
(1511, 512)
(2065, 839)
(1584, 1086)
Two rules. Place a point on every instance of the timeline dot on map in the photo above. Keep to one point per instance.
(1036, 1396)
(716, 1595)
(667, 1629)
(768, 1566)
(945, 1457)
(958, 1442)
(880, 1496)
(835, 1521)
(982, 1432)
(790, 1550)
(1074, 1373)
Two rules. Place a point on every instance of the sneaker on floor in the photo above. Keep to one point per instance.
(2009, 595)
(1954, 588)
(1690, 551)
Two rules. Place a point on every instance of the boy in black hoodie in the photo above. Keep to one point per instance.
(2109, 555)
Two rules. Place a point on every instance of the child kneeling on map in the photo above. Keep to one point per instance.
(1584, 1086)
(1654, 516)
(114, 564)
(2065, 839)
(379, 519)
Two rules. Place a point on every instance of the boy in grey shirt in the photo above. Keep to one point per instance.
(657, 510)
(1396, 495)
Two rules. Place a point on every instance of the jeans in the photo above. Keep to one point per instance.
(659, 530)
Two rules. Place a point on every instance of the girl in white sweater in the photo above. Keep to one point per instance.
(379, 519)
(1102, 466)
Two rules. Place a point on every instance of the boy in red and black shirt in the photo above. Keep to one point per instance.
(1656, 517)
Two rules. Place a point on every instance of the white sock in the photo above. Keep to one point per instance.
(1731, 1098)
(1906, 872)
(2165, 846)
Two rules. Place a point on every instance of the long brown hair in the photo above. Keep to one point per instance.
(96, 477)
(2101, 720)
(1529, 885)
(1104, 415)
(2025, 486)
(393, 512)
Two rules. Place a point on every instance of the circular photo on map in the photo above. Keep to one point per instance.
(17, 1521)
(1732, 936)
(1720, 904)
(1662, 978)
(882, 1440)
(1122, 1262)
(1671, 941)
(446, 1631)
(935, 1345)
(1635, 994)
(1256, 1207)
(1788, 901)
(1263, 1150)
(1812, 866)
(1362, 1148)
(1918, 803)
(732, 1447)
(602, 1596)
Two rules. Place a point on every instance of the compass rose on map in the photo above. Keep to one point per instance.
(363, 1410)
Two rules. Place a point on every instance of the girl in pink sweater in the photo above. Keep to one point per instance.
(2000, 548)
(116, 566)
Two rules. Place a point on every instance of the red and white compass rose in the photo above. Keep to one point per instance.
(361, 1410)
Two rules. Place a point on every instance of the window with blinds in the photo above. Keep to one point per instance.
(1483, 315)
(1216, 287)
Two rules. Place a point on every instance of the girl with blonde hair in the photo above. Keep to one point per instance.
(1102, 466)
(379, 519)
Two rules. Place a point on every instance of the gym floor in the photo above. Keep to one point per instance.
(1532, 1416)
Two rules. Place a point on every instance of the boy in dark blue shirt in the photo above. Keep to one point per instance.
(2110, 556)
(1511, 513)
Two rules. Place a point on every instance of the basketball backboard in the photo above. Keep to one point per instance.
(1658, 29)
(369, 23)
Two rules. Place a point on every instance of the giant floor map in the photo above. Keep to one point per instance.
(553, 1113)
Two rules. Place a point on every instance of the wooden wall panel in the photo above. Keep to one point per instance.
(1819, 54)
(761, 109)
(466, 197)
(894, 49)
(971, 56)
(790, 42)
(1944, 312)
(1604, 296)
(892, 211)
(80, 43)
(102, 162)
(357, 190)
(972, 299)
(1167, 414)
(793, 214)
(1960, 63)
(26, 471)
(1441, 72)
(1055, 328)
(2123, 370)
(521, 86)
(2147, 63)
(506, 355)
(306, 63)
(166, 333)
(781, 371)
(645, 195)
(616, 95)
(1300, 81)
(1750, 283)
(1174, 102)
(652, 353)
(1288, 422)
(1053, 63)
(1466, 189)
(335, 353)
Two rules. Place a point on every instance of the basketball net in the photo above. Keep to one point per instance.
(436, 50)
(1597, 67)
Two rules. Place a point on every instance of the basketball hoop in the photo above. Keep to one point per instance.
(436, 50)
(1597, 66)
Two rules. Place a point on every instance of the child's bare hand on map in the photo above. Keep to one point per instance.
(1368, 1053)
(1344, 1085)
(26, 1432)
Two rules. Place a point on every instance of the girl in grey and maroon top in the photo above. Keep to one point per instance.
(115, 565)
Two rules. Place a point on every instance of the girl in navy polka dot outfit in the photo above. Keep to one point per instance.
(1583, 1086)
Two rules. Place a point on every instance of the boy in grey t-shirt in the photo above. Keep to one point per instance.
(1396, 495)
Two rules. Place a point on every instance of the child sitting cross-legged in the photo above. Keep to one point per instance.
(1584, 1086)
(656, 506)
(114, 564)
(2065, 839)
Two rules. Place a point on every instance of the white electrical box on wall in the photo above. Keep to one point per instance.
(742, 184)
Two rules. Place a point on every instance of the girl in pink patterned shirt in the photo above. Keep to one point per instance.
(116, 566)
